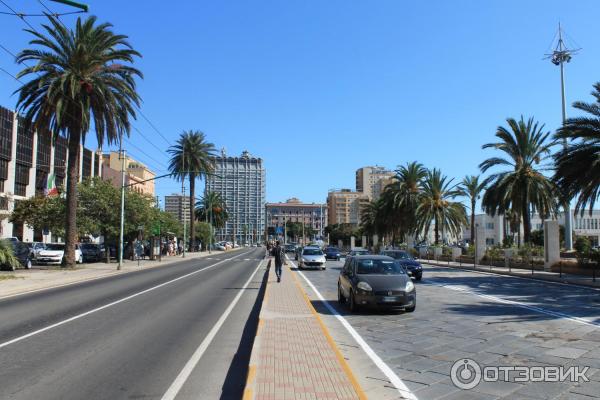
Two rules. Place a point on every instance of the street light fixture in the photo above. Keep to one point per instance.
(559, 56)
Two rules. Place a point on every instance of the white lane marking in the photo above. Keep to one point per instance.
(530, 307)
(65, 321)
(185, 373)
(383, 367)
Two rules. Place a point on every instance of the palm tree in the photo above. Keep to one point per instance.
(191, 157)
(80, 77)
(522, 188)
(212, 207)
(403, 194)
(472, 188)
(435, 205)
(578, 166)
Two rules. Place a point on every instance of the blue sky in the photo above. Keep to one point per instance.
(320, 88)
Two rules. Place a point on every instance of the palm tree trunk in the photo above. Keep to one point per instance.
(526, 222)
(472, 221)
(437, 230)
(192, 216)
(72, 181)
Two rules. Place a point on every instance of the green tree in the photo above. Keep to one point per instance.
(578, 166)
(7, 256)
(81, 78)
(212, 208)
(205, 232)
(522, 187)
(472, 188)
(40, 212)
(191, 158)
(436, 205)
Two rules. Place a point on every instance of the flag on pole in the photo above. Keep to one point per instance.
(51, 189)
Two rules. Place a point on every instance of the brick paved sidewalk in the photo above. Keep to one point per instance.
(293, 356)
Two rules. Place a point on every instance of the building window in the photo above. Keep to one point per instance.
(42, 162)
(6, 127)
(24, 144)
(489, 241)
(489, 225)
(86, 169)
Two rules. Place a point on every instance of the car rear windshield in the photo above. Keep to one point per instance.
(379, 267)
(88, 246)
(332, 249)
(312, 252)
(361, 252)
(54, 246)
(398, 255)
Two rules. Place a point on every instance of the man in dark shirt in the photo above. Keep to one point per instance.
(279, 255)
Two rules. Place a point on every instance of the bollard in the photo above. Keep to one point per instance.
(532, 266)
(560, 269)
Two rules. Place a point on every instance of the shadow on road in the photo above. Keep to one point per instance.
(235, 381)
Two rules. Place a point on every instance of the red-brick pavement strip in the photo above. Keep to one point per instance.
(294, 356)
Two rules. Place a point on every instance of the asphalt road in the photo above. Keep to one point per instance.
(167, 332)
(493, 320)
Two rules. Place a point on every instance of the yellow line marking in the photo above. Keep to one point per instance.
(359, 391)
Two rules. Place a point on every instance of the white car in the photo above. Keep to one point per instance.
(55, 252)
(312, 257)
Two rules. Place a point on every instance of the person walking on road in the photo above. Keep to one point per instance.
(279, 255)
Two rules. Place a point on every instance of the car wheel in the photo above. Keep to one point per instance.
(418, 278)
(341, 298)
(352, 303)
(410, 309)
(323, 268)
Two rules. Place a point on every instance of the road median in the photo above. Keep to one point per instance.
(294, 355)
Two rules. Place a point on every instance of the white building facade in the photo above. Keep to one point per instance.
(241, 182)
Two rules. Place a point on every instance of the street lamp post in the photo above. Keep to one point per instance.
(122, 222)
(559, 57)
(183, 201)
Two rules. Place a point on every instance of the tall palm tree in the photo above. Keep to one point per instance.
(403, 194)
(522, 187)
(191, 157)
(578, 166)
(213, 207)
(79, 77)
(435, 204)
(472, 188)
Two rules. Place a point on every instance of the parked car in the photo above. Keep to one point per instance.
(54, 254)
(91, 252)
(376, 281)
(332, 253)
(412, 266)
(21, 252)
(297, 253)
(35, 248)
(290, 248)
(312, 257)
(357, 251)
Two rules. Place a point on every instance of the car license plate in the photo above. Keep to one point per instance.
(389, 299)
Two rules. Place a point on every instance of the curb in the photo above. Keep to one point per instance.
(513, 274)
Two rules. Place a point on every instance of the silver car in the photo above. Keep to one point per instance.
(311, 257)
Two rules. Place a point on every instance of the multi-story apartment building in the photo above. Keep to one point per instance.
(140, 177)
(178, 206)
(28, 160)
(241, 182)
(313, 215)
(344, 205)
(371, 181)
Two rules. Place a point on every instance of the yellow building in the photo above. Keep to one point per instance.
(372, 180)
(343, 206)
(136, 174)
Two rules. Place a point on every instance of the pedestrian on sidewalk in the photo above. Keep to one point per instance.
(279, 255)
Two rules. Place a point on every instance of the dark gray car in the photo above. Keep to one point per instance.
(376, 281)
